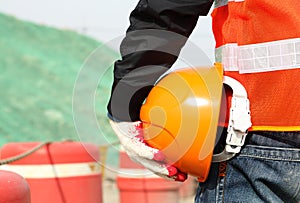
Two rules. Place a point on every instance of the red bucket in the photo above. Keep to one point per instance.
(59, 172)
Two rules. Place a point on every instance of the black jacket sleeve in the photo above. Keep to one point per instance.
(158, 30)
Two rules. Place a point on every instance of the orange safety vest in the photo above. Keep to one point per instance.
(258, 43)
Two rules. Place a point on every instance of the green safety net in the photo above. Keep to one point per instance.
(38, 69)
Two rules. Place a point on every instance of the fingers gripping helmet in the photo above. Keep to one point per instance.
(180, 117)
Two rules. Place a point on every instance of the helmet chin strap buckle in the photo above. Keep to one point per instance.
(239, 121)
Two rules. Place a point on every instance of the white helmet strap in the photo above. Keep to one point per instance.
(239, 121)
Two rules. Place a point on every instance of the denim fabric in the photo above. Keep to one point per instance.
(266, 170)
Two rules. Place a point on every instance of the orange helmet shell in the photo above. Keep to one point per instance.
(180, 117)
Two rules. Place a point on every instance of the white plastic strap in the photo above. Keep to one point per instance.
(239, 117)
(261, 57)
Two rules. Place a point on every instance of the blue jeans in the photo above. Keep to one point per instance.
(266, 170)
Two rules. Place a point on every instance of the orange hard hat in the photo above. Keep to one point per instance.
(180, 117)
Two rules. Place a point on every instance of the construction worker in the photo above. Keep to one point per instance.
(258, 44)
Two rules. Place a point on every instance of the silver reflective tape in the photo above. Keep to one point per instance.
(227, 54)
(270, 56)
(261, 57)
(219, 3)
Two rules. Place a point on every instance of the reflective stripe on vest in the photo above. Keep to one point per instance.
(262, 57)
(258, 43)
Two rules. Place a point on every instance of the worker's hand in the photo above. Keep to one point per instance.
(131, 137)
